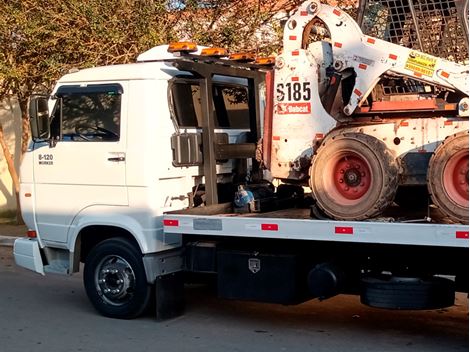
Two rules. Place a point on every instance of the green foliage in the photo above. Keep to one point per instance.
(238, 25)
(41, 39)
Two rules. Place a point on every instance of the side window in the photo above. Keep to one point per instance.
(187, 104)
(230, 105)
(91, 113)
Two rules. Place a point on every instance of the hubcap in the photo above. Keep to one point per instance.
(456, 178)
(115, 280)
(352, 176)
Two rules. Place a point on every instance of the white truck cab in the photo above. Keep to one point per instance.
(122, 146)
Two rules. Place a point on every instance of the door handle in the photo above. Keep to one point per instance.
(117, 159)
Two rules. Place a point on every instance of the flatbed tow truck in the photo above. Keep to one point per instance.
(153, 172)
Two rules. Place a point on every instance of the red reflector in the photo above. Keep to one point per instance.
(31, 234)
(276, 138)
(295, 79)
(269, 227)
(392, 56)
(337, 12)
(357, 92)
(319, 136)
(461, 234)
(362, 66)
(338, 45)
(371, 40)
(344, 230)
(404, 124)
(170, 223)
(303, 13)
(445, 74)
(292, 37)
(295, 53)
(447, 122)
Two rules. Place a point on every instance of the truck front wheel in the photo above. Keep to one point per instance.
(115, 280)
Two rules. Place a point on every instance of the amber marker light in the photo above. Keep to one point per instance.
(216, 52)
(265, 60)
(244, 57)
(175, 47)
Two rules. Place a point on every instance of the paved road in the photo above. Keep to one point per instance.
(52, 314)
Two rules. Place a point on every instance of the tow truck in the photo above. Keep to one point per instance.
(276, 178)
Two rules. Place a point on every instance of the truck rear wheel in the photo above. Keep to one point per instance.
(115, 279)
(353, 176)
(448, 177)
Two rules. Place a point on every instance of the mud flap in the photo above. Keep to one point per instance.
(169, 296)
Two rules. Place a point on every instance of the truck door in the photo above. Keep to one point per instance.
(84, 165)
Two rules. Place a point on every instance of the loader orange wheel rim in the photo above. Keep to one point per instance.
(352, 175)
(455, 178)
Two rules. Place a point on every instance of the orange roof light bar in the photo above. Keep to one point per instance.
(242, 57)
(265, 60)
(189, 47)
(217, 52)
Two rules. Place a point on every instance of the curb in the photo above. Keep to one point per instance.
(7, 241)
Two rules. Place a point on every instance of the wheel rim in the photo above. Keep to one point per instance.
(351, 175)
(455, 178)
(115, 280)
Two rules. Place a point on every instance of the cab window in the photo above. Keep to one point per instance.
(230, 104)
(91, 113)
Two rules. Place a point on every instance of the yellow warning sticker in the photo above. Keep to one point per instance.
(421, 63)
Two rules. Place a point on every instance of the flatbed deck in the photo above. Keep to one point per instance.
(297, 224)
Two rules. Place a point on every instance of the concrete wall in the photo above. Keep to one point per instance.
(10, 117)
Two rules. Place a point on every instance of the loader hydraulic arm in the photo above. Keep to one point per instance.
(369, 57)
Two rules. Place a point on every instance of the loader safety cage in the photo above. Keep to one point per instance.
(275, 225)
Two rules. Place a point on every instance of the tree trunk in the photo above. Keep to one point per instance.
(25, 128)
(13, 174)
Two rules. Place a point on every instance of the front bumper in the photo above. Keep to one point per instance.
(27, 254)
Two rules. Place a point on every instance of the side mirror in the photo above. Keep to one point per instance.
(39, 117)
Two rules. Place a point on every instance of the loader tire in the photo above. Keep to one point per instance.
(447, 177)
(353, 176)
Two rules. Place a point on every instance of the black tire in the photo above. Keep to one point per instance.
(448, 177)
(407, 293)
(116, 265)
(353, 176)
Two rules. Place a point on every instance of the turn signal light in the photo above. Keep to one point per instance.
(265, 60)
(242, 57)
(31, 234)
(217, 52)
(189, 47)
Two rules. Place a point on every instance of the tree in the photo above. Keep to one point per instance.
(41, 40)
(238, 25)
